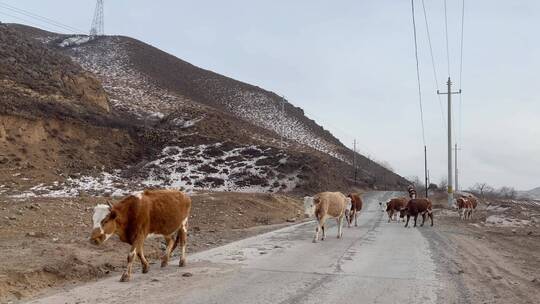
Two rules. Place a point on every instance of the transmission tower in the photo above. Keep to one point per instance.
(98, 23)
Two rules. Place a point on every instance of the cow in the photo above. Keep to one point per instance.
(417, 206)
(326, 205)
(464, 208)
(412, 191)
(356, 206)
(394, 206)
(474, 203)
(135, 217)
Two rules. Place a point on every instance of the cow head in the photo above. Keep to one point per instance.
(403, 212)
(309, 206)
(104, 223)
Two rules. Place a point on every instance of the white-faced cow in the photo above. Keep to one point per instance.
(394, 206)
(465, 208)
(417, 206)
(327, 205)
(356, 206)
(164, 212)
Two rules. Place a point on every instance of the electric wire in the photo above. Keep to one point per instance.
(40, 18)
(446, 34)
(418, 73)
(433, 65)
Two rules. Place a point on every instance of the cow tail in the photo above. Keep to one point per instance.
(176, 241)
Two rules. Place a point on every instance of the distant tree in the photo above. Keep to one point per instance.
(433, 186)
(482, 190)
(507, 192)
(443, 184)
(386, 165)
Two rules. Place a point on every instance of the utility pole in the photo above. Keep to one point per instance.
(425, 170)
(456, 165)
(449, 93)
(98, 23)
(282, 121)
(354, 160)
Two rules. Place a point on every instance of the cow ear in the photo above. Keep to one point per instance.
(112, 215)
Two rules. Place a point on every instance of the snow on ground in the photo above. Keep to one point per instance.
(213, 167)
(503, 221)
(130, 90)
(263, 111)
(74, 41)
(203, 167)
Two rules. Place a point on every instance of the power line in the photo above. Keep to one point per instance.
(40, 18)
(26, 21)
(433, 64)
(461, 69)
(418, 73)
(446, 34)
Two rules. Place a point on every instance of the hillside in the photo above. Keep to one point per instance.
(532, 194)
(187, 127)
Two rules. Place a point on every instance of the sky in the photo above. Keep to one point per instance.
(350, 65)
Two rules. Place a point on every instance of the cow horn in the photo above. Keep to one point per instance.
(110, 205)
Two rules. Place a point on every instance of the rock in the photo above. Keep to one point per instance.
(55, 239)
(154, 280)
(497, 277)
(187, 274)
(12, 218)
(291, 220)
(529, 233)
(514, 231)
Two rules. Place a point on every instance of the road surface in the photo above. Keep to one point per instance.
(377, 262)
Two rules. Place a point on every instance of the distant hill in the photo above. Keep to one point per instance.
(186, 126)
(532, 194)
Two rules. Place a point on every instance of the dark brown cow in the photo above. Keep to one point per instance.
(417, 206)
(394, 206)
(356, 206)
(164, 212)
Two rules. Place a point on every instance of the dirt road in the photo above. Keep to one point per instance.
(375, 262)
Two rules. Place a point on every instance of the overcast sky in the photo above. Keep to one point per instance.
(350, 65)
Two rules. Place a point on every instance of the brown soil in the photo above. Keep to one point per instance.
(44, 242)
(485, 263)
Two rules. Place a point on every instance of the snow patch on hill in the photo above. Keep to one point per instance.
(130, 90)
(214, 167)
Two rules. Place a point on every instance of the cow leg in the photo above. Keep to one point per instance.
(323, 232)
(316, 237)
(182, 235)
(142, 258)
(389, 215)
(340, 226)
(415, 218)
(431, 217)
(355, 219)
(423, 219)
(170, 245)
(126, 276)
(407, 223)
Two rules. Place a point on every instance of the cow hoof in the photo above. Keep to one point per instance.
(314, 241)
(164, 263)
(145, 269)
(125, 277)
(182, 262)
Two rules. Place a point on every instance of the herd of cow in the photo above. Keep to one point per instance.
(166, 213)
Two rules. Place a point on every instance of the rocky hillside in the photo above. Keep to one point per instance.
(185, 126)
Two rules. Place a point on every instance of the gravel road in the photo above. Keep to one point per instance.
(377, 262)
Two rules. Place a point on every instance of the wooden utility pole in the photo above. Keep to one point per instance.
(282, 121)
(354, 160)
(425, 170)
(449, 93)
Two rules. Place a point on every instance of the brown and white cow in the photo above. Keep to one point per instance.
(394, 206)
(417, 206)
(327, 205)
(164, 212)
(356, 206)
(465, 208)
(474, 203)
